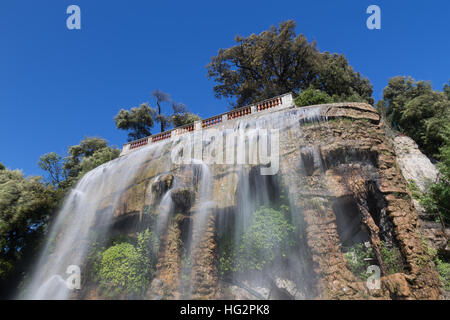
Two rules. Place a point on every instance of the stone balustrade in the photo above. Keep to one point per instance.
(280, 102)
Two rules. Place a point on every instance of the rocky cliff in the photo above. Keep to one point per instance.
(345, 187)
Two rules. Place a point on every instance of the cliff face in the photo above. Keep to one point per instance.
(344, 185)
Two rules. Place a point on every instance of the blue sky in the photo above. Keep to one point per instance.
(58, 85)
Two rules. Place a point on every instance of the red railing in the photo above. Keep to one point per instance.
(161, 136)
(211, 121)
(268, 104)
(239, 113)
(138, 143)
(186, 128)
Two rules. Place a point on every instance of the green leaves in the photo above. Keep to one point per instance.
(414, 108)
(119, 267)
(360, 257)
(138, 121)
(87, 155)
(127, 268)
(278, 61)
(311, 97)
(267, 239)
(25, 207)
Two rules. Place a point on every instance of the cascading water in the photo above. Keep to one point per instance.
(218, 224)
(70, 236)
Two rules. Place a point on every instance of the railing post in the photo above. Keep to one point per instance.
(286, 101)
(125, 149)
(198, 125)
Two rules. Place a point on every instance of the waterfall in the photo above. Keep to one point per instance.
(71, 234)
(83, 216)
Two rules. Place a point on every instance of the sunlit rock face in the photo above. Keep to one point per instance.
(337, 183)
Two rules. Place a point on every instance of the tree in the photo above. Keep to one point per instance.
(138, 121)
(161, 97)
(279, 61)
(181, 116)
(2, 167)
(25, 208)
(51, 163)
(98, 158)
(447, 89)
(414, 108)
(338, 79)
(83, 157)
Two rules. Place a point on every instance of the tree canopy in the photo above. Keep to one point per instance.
(25, 208)
(83, 157)
(181, 116)
(278, 61)
(138, 121)
(414, 108)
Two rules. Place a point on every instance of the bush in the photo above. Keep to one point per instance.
(436, 199)
(443, 269)
(120, 270)
(125, 268)
(265, 240)
(311, 97)
(360, 257)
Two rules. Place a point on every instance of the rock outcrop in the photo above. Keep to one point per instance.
(345, 183)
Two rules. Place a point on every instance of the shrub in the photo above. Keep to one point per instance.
(265, 240)
(311, 97)
(443, 269)
(360, 257)
(127, 268)
(120, 270)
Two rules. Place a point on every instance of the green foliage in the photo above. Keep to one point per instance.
(120, 270)
(311, 97)
(2, 167)
(25, 208)
(392, 259)
(161, 118)
(414, 108)
(338, 79)
(52, 164)
(147, 249)
(181, 116)
(443, 269)
(89, 154)
(415, 191)
(436, 200)
(138, 121)
(277, 61)
(98, 158)
(265, 240)
(360, 257)
(124, 267)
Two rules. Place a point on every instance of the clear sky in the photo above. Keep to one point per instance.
(58, 85)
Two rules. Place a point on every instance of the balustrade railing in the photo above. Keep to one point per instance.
(210, 122)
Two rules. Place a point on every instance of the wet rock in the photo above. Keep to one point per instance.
(183, 198)
(414, 165)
